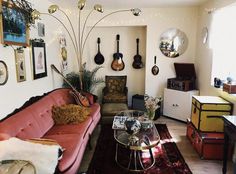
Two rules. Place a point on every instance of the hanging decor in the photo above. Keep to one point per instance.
(3, 73)
(20, 64)
(78, 36)
(39, 58)
(15, 22)
(155, 69)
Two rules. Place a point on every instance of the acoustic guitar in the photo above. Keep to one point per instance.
(82, 99)
(117, 63)
(137, 63)
(99, 59)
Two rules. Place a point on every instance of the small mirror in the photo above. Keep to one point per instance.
(173, 42)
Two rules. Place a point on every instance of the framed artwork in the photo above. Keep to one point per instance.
(62, 42)
(20, 65)
(3, 73)
(13, 28)
(39, 59)
(41, 29)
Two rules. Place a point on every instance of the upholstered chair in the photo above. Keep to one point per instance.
(115, 90)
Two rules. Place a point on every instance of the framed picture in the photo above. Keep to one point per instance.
(39, 59)
(13, 28)
(3, 73)
(41, 29)
(20, 65)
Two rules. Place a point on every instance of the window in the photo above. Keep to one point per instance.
(223, 43)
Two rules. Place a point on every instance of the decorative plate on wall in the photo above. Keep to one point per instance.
(3, 73)
(204, 35)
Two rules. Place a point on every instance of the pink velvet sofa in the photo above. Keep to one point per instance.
(35, 121)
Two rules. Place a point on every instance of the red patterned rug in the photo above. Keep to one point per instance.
(168, 157)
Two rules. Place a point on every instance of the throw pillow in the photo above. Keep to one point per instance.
(69, 114)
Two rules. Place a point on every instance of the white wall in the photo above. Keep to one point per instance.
(204, 53)
(149, 25)
(14, 94)
(156, 21)
(127, 46)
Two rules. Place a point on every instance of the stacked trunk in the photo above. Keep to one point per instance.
(206, 127)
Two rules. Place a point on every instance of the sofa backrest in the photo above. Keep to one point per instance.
(35, 120)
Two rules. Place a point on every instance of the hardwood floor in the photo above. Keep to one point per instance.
(178, 131)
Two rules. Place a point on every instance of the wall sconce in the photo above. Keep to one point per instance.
(80, 41)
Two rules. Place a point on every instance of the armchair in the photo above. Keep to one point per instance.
(115, 90)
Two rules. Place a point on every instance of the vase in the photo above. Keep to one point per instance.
(151, 114)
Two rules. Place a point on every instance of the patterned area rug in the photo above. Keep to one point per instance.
(168, 157)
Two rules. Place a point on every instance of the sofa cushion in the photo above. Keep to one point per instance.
(22, 125)
(41, 111)
(69, 114)
(61, 97)
(70, 129)
(71, 143)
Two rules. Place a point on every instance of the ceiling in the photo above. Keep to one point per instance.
(115, 4)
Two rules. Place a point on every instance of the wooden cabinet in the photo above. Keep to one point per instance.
(177, 104)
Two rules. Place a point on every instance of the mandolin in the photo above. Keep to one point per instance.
(99, 59)
(117, 63)
(82, 99)
(137, 63)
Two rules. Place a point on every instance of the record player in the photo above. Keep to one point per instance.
(185, 77)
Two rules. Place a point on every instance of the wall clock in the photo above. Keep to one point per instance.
(3, 73)
(204, 35)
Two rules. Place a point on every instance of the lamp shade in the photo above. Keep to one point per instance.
(136, 11)
(98, 8)
(35, 14)
(52, 8)
(81, 4)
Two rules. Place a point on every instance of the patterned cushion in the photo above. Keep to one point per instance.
(114, 98)
(69, 114)
(116, 84)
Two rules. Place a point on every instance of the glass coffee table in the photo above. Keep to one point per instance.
(132, 148)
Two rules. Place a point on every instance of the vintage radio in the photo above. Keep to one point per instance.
(185, 77)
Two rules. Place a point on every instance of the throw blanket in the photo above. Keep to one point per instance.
(44, 157)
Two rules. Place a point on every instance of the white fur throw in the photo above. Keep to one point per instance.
(44, 157)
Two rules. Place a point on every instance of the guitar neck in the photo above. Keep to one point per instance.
(99, 41)
(117, 46)
(137, 41)
(117, 42)
(57, 71)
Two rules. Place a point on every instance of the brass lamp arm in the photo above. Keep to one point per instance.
(73, 42)
(72, 28)
(82, 36)
(97, 23)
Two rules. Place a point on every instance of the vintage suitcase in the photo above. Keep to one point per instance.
(230, 88)
(206, 113)
(185, 77)
(208, 145)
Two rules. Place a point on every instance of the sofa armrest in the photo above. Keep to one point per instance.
(91, 97)
(4, 136)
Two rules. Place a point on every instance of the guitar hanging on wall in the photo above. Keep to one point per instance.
(99, 59)
(137, 63)
(117, 63)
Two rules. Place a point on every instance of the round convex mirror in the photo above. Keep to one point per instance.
(173, 42)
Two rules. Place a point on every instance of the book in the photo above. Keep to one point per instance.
(119, 122)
